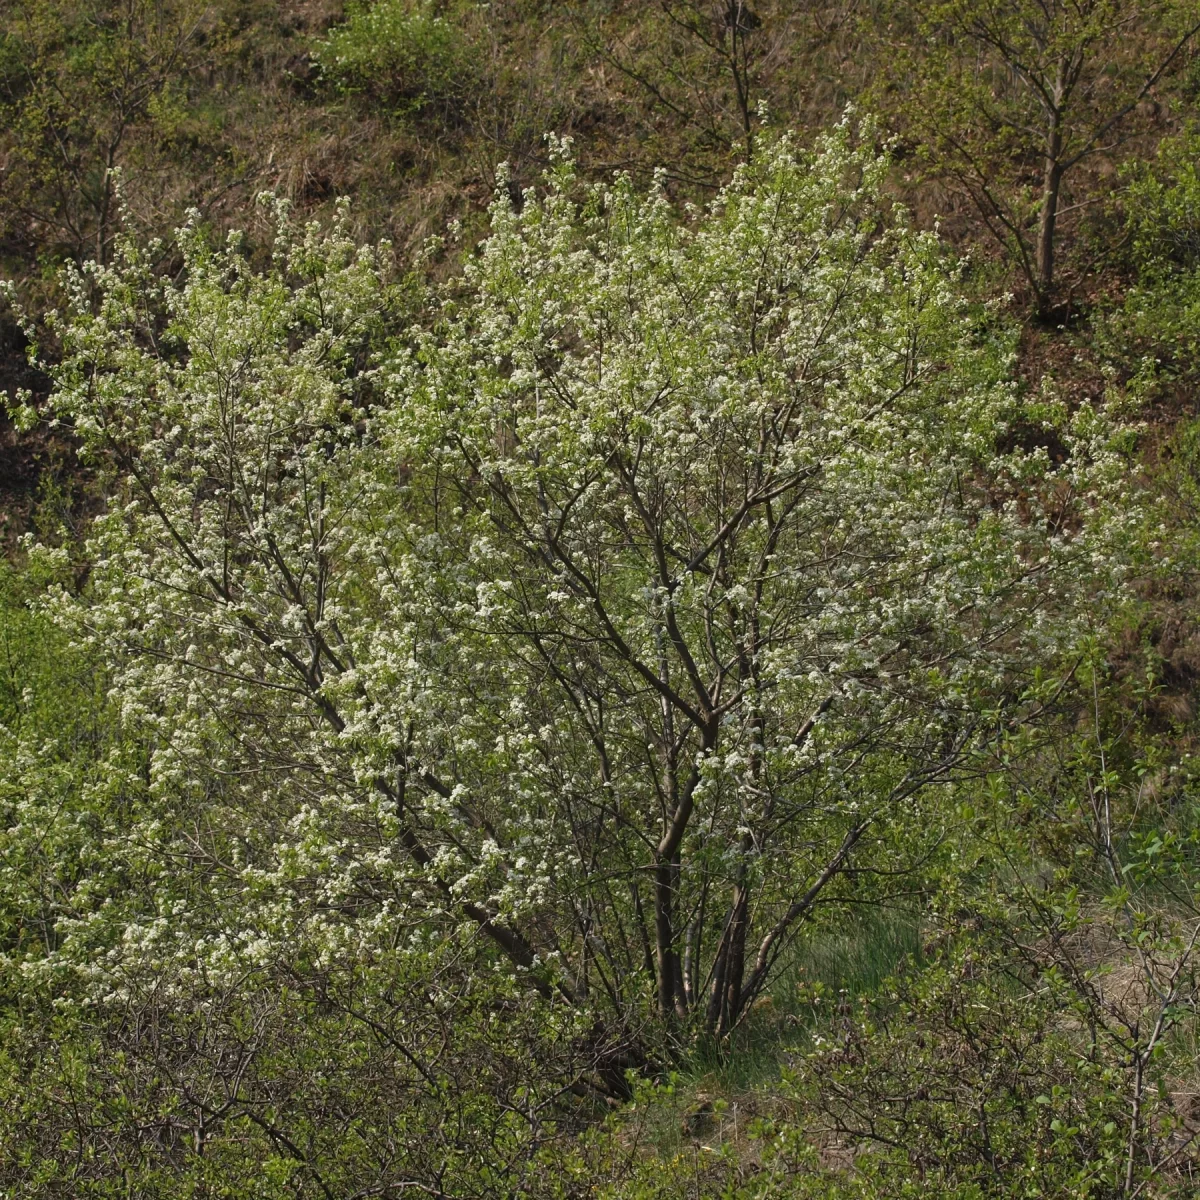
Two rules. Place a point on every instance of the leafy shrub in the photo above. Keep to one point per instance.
(970, 1077)
(402, 54)
(1156, 332)
(1163, 204)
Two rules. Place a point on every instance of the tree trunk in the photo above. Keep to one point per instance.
(671, 998)
(735, 968)
(1049, 216)
(729, 969)
(1052, 173)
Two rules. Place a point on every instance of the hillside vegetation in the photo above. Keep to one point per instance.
(599, 599)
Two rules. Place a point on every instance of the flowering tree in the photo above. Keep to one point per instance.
(634, 608)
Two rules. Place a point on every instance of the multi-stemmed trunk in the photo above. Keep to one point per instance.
(729, 966)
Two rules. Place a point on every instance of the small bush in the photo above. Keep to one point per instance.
(401, 55)
(1154, 332)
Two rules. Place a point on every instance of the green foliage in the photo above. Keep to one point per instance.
(78, 84)
(1010, 101)
(968, 1076)
(54, 813)
(297, 1080)
(1153, 336)
(1163, 206)
(402, 54)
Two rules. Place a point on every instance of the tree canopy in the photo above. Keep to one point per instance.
(617, 616)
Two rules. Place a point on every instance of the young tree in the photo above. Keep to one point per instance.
(1010, 98)
(610, 623)
(693, 72)
(727, 31)
(77, 84)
